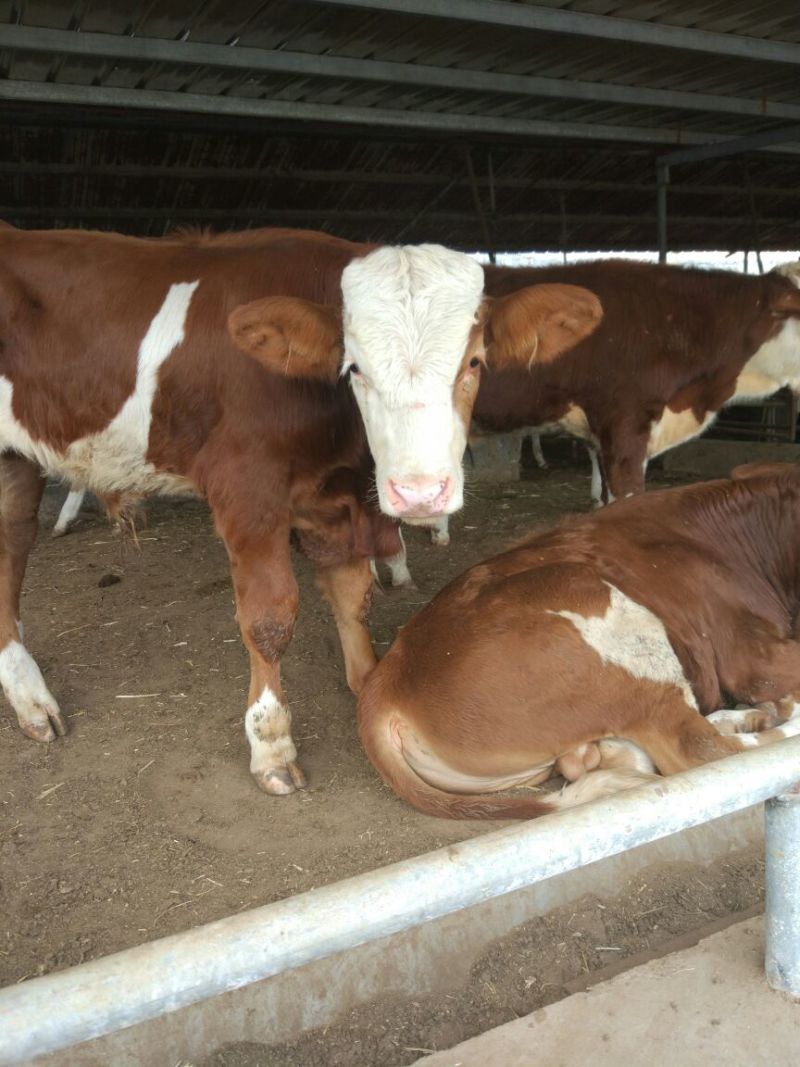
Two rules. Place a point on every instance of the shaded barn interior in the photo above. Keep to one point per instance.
(482, 124)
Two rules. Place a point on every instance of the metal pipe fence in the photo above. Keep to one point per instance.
(59, 1010)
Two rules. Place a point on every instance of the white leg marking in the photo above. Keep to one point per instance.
(69, 512)
(267, 724)
(790, 728)
(398, 566)
(730, 720)
(538, 455)
(440, 532)
(23, 684)
(632, 637)
(619, 752)
(597, 477)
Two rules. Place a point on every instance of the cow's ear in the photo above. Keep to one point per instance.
(290, 336)
(537, 324)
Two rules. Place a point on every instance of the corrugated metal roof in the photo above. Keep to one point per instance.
(366, 119)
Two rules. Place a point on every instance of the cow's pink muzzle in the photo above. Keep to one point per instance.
(419, 496)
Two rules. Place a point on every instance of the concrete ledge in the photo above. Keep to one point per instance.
(709, 1004)
(494, 457)
(716, 459)
(435, 957)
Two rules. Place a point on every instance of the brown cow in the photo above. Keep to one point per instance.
(119, 373)
(599, 646)
(675, 345)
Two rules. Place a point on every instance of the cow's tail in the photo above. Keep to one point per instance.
(378, 729)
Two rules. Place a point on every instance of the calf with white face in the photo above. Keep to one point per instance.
(413, 333)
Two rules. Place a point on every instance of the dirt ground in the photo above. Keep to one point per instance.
(144, 821)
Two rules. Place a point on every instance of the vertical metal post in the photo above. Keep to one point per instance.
(662, 181)
(487, 237)
(782, 843)
(562, 206)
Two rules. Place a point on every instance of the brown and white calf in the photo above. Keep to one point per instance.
(675, 345)
(599, 646)
(226, 366)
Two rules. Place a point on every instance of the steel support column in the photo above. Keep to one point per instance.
(662, 182)
(782, 846)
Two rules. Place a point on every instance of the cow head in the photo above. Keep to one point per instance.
(413, 334)
(776, 360)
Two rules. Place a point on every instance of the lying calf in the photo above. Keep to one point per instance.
(595, 649)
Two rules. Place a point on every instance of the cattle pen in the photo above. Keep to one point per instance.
(158, 910)
(51, 1013)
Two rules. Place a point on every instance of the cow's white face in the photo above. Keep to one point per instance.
(777, 362)
(410, 321)
(410, 336)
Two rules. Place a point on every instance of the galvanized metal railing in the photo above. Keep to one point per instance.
(56, 1011)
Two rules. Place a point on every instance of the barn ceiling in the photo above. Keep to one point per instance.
(485, 124)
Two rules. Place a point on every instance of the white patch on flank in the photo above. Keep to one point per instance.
(631, 637)
(115, 458)
(69, 511)
(267, 725)
(675, 427)
(25, 687)
(407, 314)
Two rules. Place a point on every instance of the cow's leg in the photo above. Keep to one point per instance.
(682, 738)
(623, 460)
(70, 510)
(266, 609)
(745, 720)
(21, 487)
(348, 589)
(597, 476)
(440, 532)
(538, 455)
(398, 567)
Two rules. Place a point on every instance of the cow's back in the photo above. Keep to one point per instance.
(663, 329)
(117, 365)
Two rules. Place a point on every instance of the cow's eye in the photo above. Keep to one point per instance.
(474, 361)
(353, 369)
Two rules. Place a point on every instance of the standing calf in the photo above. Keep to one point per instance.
(599, 647)
(273, 372)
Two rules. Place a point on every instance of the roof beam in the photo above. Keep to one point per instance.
(582, 24)
(734, 147)
(274, 215)
(304, 65)
(449, 122)
(359, 177)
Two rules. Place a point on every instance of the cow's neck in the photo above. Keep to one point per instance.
(773, 366)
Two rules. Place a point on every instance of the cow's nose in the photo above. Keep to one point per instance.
(419, 494)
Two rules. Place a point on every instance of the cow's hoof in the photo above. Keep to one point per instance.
(59, 531)
(408, 586)
(280, 781)
(45, 726)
